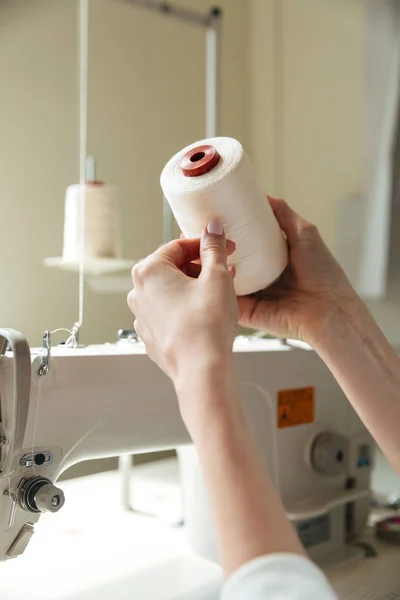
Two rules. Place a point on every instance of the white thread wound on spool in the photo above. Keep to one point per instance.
(101, 238)
(230, 193)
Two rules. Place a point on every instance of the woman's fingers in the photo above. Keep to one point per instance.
(292, 224)
(179, 252)
(230, 245)
(194, 269)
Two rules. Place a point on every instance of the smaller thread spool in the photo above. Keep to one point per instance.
(101, 236)
(199, 161)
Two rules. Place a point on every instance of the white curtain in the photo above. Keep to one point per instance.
(382, 109)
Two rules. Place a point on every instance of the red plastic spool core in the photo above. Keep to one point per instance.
(199, 161)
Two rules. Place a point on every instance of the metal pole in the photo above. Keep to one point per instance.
(125, 466)
(212, 101)
(212, 74)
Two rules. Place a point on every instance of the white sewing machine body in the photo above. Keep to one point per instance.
(109, 400)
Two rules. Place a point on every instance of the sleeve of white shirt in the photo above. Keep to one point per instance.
(278, 577)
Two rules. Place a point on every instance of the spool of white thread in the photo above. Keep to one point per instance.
(101, 222)
(215, 179)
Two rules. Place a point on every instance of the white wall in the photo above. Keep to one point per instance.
(307, 94)
(307, 117)
(264, 92)
(146, 100)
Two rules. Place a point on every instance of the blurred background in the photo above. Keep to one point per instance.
(292, 91)
(310, 87)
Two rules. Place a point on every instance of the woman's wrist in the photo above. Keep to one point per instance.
(338, 320)
(204, 368)
(208, 394)
(347, 322)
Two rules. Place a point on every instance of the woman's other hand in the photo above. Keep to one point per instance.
(313, 289)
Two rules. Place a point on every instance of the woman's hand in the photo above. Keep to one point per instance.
(312, 290)
(186, 314)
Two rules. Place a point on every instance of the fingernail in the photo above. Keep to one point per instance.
(215, 227)
(230, 268)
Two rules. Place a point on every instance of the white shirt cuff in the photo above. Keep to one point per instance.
(278, 577)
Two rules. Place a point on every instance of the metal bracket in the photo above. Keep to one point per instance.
(44, 368)
(128, 336)
(13, 507)
(36, 459)
(180, 13)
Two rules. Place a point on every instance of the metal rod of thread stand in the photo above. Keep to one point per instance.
(211, 22)
(212, 78)
(212, 101)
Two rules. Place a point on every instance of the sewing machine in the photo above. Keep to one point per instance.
(62, 405)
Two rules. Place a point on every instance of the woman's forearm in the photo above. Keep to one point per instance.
(248, 514)
(367, 368)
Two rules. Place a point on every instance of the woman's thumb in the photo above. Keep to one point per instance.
(213, 246)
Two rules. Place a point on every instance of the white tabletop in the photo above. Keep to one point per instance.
(93, 550)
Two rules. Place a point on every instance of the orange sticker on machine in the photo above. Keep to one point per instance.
(295, 407)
